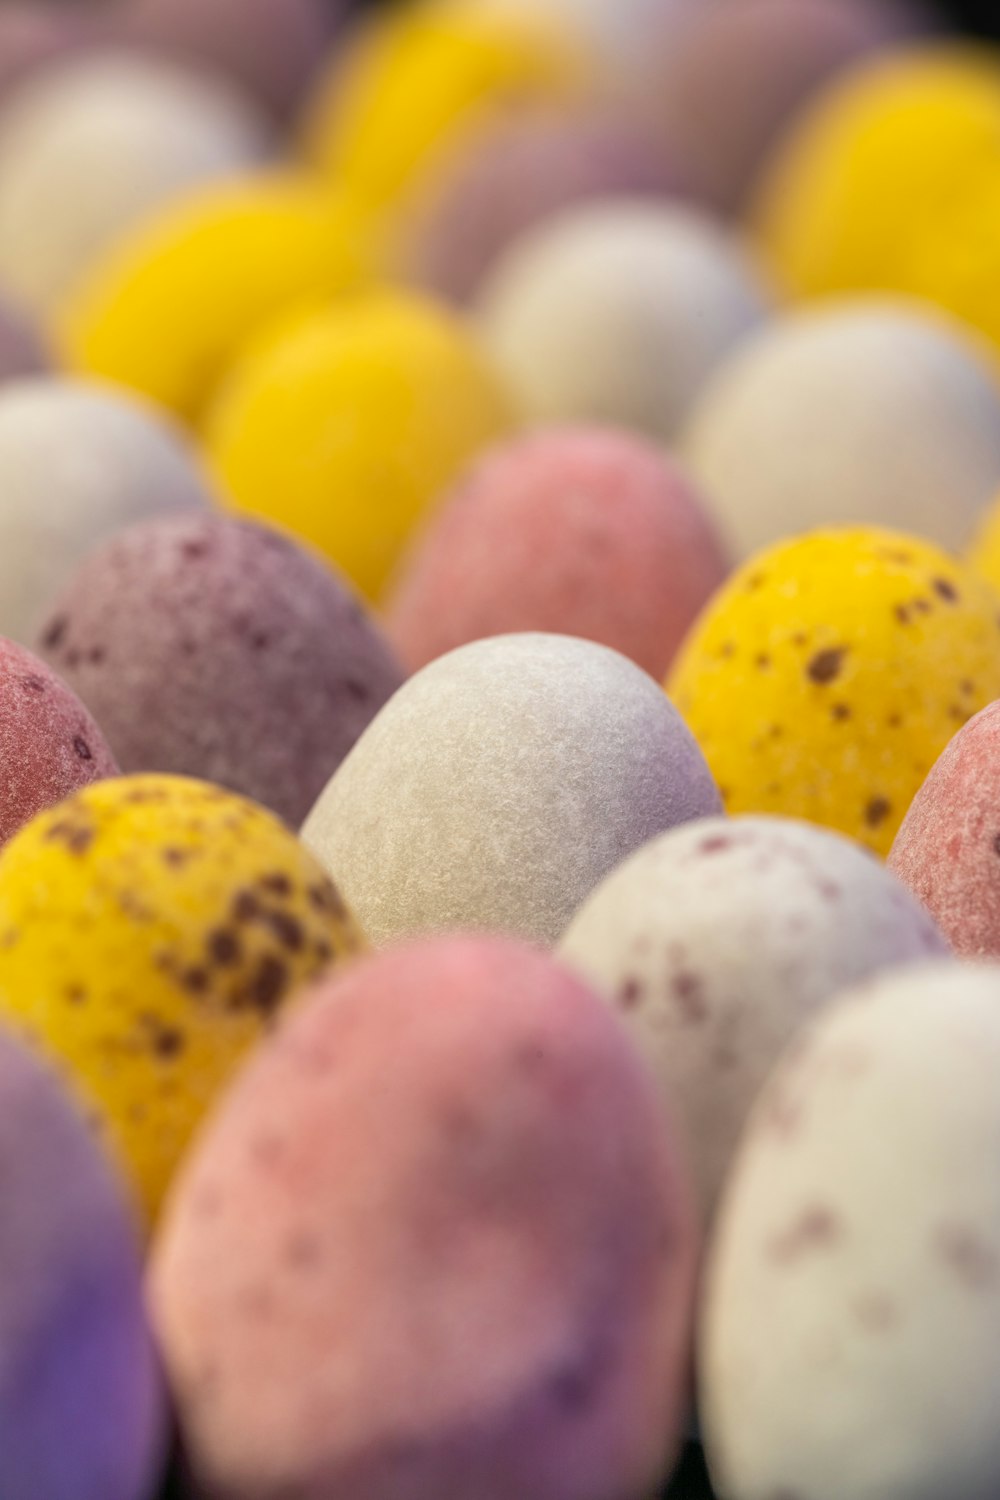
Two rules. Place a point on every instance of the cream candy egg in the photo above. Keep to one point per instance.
(500, 785)
(437, 1242)
(90, 145)
(869, 411)
(77, 463)
(850, 1341)
(715, 943)
(618, 312)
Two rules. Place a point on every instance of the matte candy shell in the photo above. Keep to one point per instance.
(49, 744)
(826, 678)
(948, 849)
(168, 306)
(217, 648)
(81, 1407)
(581, 531)
(436, 1243)
(151, 928)
(501, 784)
(350, 426)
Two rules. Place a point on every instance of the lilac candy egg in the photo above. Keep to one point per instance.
(217, 648)
(81, 1409)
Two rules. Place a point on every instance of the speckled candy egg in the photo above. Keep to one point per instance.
(618, 311)
(514, 173)
(717, 942)
(170, 304)
(49, 744)
(150, 928)
(581, 531)
(221, 649)
(948, 849)
(271, 47)
(91, 145)
(828, 675)
(470, 1279)
(347, 427)
(850, 1338)
(81, 1409)
(867, 411)
(77, 463)
(501, 784)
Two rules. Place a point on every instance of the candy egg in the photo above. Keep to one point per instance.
(270, 47)
(91, 145)
(948, 849)
(167, 307)
(828, 675)
(580, 531)
(77, 463)
(618, 312)
(49, 744)
(150, 929)
(513, 174)
(81, 1408)
(850, 1338)
(881, 157)
(216, 648)
(501, 784)
(347, 427)
(414, 81)
(864, 411)
(718, 941)
(473, 1280)
(758, 63)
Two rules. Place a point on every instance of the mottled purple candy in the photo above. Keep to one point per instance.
(217, 648)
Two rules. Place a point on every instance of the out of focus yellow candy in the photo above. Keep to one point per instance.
(150, 928)
(347, 429)
(875, 170)
(984, 554)
(165, 311)
(416, 79)
(828, 675)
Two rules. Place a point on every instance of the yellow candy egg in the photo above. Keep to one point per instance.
(827, 676)
(416, 79)
(877, 164)
(150, 929)
(347, 428)
(166, 308)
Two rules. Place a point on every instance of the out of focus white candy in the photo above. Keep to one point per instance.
(619, 312)
(89, 145)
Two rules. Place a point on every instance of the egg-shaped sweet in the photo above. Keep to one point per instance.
(213, 647)
(77, 463)
(718, 942)
(618, 311)
(169, 305)
(49, 744)
(850, 1335)
(411, 83)
(864, 411)
(882, 157)
(516, 172)
(824, 680)
(437, 1242)
(500, 785)
(948, 849)
(150, 929)
(81, 1406)
(91, 145)
(732, 79)
(577, 531)
(271, 48)
(350, 424)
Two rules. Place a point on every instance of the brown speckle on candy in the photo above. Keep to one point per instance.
(876, 811)
(975, 1263)
(816, 1228)
(825, 667)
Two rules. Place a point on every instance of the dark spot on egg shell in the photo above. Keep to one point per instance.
(716, 843)
(945, 590)
(825, 667)
(876, 812)
(195, 981)
(33, 684)
(689, 993)
(840, 713)
(82, 749)
(175, 858)
(575, 1387)
(246, 906)
(974, 1262)
(77, 837)
(56, 632)
(762, 660)
(894, 721)
(287, 929)
(224, 947)
(902, 614)
(267, 985)
(276, 884)
(75, 994)
(816, 1228)
(923, 606)
(996, 843)
(630, 994)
